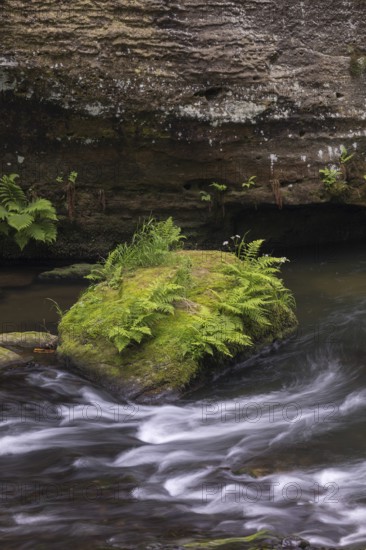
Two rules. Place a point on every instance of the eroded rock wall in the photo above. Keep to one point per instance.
(150, 101)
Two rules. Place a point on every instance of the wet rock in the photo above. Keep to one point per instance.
(28, 340)
(253, 472)
(291, 542)
(8, 358)
(150, 330)
(67, 273)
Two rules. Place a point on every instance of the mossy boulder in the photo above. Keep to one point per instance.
(8, 358)
(67, 273)
(28, 340)
(150, 331)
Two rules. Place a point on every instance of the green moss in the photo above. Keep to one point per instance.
(8, 358)
(357, 65)
(157, 316)
(159, 361)
(74, 271)
(28, 340)
(259, 537)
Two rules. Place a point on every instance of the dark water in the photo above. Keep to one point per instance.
(276, 444)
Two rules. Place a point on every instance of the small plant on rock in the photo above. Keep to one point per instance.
(330, 176)
(333, 181)
(344, 159)
(249, 183)
(345, 156)
(220, 190)
(206, 197)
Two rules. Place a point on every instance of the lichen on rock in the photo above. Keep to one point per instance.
(159, 315)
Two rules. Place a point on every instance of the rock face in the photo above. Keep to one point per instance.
(150, 102)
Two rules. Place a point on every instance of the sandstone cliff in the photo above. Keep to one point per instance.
(152, 100)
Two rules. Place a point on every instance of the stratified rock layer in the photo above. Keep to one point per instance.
(150, 102)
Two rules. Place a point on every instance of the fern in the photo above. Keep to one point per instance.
(136, 321)
(12, 196)
(43, 208)
(257, 290)
(149, 247)
(211, 333)
(20, 221)
(249, 183)
(25, 221)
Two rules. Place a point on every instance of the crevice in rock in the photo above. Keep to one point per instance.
(210, 93)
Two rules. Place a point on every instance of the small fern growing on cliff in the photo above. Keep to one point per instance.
(24, 220)
(249, 183)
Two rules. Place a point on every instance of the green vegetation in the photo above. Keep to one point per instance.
(258, 537)
(345, 156)
(249, 183)
(220, 190)
(69, 272)
(150, 247)
(357, 64)
(335, 177)
(219, 187)
(334, 184)
(206, 197)
(330, 176)
(157, 314)
(25, 220)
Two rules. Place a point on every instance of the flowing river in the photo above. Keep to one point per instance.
(277, 443)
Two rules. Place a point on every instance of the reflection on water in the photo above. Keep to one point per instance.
(24, 301)
(276, 443)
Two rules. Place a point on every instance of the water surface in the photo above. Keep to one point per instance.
(277, 443)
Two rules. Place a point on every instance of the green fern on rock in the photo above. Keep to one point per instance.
(213, 334)
(24, 220)
(138, 319)
(158, 314)
(150, 246)
(258, 275)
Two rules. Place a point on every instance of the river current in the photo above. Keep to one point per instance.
(276, 443)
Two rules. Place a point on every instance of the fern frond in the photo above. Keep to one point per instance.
(12, 197)
(34, 231)
(149, 247)
(251, 250)
(20, 221)
(46, 226)
(42, 207)
(211, 333)
(3, 213)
